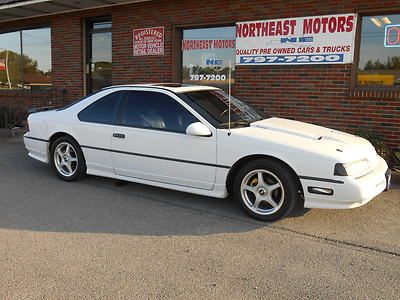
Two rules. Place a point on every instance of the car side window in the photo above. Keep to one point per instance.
(155, 110)
(102, 111)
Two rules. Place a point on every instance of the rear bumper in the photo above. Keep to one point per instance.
(352, 193)
(37, 148)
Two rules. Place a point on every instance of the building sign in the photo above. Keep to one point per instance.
(190, 45)
(148, 41)
(208, 56)
(392, 35)
(307, 40)
(375, 79)
(3, 65)
(211, 58)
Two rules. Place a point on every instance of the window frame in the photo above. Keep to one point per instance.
(29, 27)
(177, 37)
(193, 28)
(354, 67)
(19, 29)
(88, 30)
(120, 112)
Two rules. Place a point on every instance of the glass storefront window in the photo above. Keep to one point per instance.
(206, 55)
(36, 57)
(29, 66)
(379, 63)
(10, 60)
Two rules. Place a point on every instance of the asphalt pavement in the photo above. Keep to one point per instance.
(96, 239)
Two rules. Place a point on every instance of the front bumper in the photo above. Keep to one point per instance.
(354, 192)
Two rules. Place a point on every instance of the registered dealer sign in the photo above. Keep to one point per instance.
(307, 40)
(148, 41)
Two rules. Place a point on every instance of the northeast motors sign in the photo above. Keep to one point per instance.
(148, 41)
(307, 40)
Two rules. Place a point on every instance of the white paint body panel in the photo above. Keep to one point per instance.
(310, 150)
(170, 145)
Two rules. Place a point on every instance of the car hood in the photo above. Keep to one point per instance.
(314, 139)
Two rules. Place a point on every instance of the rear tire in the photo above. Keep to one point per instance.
(67, 159)
(266, 189)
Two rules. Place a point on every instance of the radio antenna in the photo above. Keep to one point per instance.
(229, 97)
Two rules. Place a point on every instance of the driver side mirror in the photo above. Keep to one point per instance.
(198, 129)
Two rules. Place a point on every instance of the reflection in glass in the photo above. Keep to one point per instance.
(10, 60)
(206, 54)
(102, 25)
(101, 60)
(379, 63)
(36, 48)
(29, 67)
(100, 40)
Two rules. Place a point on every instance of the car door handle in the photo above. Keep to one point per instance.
(119, 135)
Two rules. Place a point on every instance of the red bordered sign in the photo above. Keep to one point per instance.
(148, 41)
(3, 65)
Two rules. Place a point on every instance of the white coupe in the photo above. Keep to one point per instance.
(186, 138)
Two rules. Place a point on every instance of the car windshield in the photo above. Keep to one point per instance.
(213, 105)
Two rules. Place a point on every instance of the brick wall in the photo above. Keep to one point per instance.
(320, 95)
(317, 94)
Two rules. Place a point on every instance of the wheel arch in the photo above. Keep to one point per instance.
(81, 167)
(244, 160)
(57, 135)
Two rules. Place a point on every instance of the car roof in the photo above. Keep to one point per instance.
(173, 87)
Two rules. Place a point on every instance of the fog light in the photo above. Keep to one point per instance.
(320, 190)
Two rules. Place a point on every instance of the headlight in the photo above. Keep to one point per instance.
(351, 169)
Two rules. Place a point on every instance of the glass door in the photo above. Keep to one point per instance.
(99, 54)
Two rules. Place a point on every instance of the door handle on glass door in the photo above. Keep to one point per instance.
(119, 135)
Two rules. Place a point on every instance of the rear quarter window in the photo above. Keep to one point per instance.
(102, 111)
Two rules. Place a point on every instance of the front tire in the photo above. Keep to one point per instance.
(266, 189)
(67, 159)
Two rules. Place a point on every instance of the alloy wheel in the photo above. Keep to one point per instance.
(66, 159)
(262, 192)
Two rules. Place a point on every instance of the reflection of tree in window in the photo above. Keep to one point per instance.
(12, 62)
(392, 63)
(30, 69)
(36, 58)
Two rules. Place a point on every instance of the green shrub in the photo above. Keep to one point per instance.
(7, 117)
(380, 146)
(397, 160)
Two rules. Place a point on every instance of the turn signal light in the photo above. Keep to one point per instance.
(320, 190)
